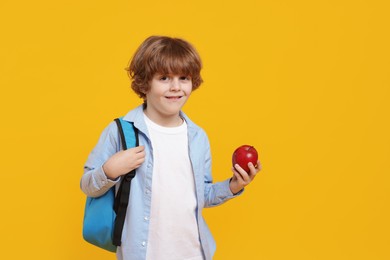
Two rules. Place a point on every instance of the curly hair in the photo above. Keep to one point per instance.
(164, 55)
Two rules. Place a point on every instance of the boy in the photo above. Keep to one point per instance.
(173, 182)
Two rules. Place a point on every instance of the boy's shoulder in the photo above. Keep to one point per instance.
(134, 114)
(193, 128)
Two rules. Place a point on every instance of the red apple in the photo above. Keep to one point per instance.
(243, 155)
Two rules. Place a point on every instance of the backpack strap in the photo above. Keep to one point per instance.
(129, 137)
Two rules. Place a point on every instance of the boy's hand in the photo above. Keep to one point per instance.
(124, 162)
(241, 178)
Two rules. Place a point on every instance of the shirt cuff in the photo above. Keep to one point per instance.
(103, 179)
(231, 194)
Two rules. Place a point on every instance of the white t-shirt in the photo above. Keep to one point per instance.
(173, 229)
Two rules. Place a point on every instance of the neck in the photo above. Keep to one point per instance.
(165, 121)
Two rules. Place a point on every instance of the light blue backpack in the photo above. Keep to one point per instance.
(104, 216)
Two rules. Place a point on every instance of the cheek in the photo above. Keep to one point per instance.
(188, 90)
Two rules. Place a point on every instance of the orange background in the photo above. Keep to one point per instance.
(306, 82)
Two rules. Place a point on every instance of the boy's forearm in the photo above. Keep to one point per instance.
(235, 188)
(95, 183)
(108, 172)
(218, 193)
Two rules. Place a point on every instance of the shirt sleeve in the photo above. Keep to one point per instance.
(219, 192)
(94, 181)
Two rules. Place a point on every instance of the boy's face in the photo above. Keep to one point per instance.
(168, 94)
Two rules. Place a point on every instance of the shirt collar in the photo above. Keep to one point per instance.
(136, 116)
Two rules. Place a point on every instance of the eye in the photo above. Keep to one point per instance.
(186, 78)
(164, 78)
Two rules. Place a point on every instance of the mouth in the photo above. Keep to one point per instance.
(173, 97)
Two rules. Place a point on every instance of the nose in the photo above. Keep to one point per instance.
(175, 84)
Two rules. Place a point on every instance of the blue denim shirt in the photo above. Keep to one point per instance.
(94, 183)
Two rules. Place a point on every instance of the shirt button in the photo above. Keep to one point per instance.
(147, 191)
(146, 218)
(143, 243)
(149, 165)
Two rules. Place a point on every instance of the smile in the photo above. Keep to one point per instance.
(174, 97)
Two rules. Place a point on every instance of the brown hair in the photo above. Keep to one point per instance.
(165, 55)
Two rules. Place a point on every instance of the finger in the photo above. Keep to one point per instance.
(242, 172)
(258, 166)
(141, 160)
(138, 165)
(135, 150)
(240, 179)
(138, 156)
(138, 149)
(252, 170)
(237, 175)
